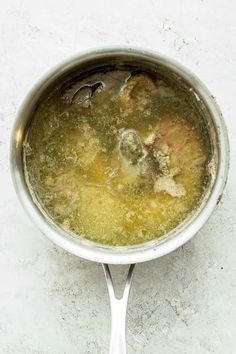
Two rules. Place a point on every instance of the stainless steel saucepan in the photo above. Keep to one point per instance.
(211, 120)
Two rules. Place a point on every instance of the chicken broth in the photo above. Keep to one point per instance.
(117, 157)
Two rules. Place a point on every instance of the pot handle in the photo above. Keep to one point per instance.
(118, 311)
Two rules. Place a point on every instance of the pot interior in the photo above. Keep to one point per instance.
(80, 67)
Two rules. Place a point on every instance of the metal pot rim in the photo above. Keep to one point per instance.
(128, 254)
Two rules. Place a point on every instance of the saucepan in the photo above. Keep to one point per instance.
(105, 254)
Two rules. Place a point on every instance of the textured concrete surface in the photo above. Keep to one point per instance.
(52, 302)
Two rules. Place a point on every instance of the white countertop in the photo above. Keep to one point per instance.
(54, 303)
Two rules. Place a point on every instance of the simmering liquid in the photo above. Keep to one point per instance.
(116, 157)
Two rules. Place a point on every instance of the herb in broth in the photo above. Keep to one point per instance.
(115, 157)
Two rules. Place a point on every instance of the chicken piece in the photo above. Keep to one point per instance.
(81, 94)
(137, 159)
(135, 94)
(167, 184)
(181, 138)
(132, 148)
(152, 164)
(178, 140)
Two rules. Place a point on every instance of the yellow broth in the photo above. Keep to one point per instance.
(74, 167)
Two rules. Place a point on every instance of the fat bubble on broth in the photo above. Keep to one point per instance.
(116, 157)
